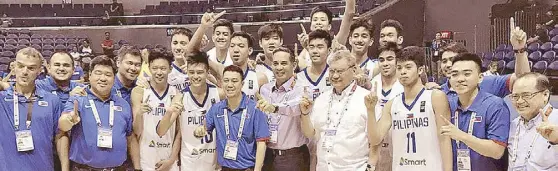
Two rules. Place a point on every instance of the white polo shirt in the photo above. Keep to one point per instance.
(350, 144)
(543, 155)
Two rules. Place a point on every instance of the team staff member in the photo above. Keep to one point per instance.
(29, 119)
(61, 68)
(287, 148)
(222, 32)
(528, 150)
(271, 38)
(480, 121)
(129, 64)
(100, 123)
(149, 106)
(338, 119)
(242, 129)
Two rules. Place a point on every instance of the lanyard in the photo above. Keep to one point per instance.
(16, 112)
(240, 128)
(469, 129)
(516, 141)
(96, 113)
(344, 107)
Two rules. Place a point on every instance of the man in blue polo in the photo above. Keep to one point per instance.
(242, 130)
(129, 64)
(28, 117)
(100, 122)
(480, 121)
(61, 68)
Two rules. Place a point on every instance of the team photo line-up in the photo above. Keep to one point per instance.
(325, 108)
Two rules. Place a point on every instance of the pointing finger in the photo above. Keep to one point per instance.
(219, 14)
(303, 29)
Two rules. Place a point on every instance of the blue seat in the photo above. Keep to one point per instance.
(535, 56)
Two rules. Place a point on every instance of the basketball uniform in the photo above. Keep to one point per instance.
(212, 53)
(152, 147)
(368, 67)
(414, 134)
(251, 85)
(178, 78)
(317, 87)
(197, 154)
(263, 68)
(386, 153)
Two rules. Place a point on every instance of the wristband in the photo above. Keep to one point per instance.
(520, 50)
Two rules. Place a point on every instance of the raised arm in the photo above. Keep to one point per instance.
(518, 39)
(442, 110)
(171, 116)
(139, 108)
(306, 105)
(377, 128)
(345, 27)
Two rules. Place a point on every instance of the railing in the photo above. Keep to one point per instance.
(525, 19)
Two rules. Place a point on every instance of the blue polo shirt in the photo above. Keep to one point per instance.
(496, 85)
(120, 90)
(492, 122)
(255, 129)
(78, 73)
(49, 85)
(44, 127)
(83, 149)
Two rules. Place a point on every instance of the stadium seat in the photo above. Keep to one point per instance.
(160, 46)
(81, 37)
(38, 47)
(510, 55)
(48, 47)
(60, 41)
(485, 63)
(552, 69)
(60, 36)
(499, 55)
(24, 36)
(116, 47)
(501, 47)
(549, 56)
(48, 42)
(501, 66)
(540, 67)
(36, 42)
(36, 36)
(122, 42)
(510, 67)
(11, 41)
(546, 47)
(4, 67)
(8, 54)
(19, 47)
(488, 55)
(71, 41)
(48, 36)
(148, 46)
(25, 32)
(5, 60)
(9, 47)
(553, 32)
(60, 47)
(535, 56)
(533, 47)
(12, 36)
(47, 53)
(70, 37)
(23, 42)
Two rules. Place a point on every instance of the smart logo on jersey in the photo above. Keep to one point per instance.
(202, 151)
(409, 162)
(410, 121)
(154, 144)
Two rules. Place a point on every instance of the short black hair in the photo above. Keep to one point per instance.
(412, 53)
(320, 34)
(362, 23)
(102, 60)
(469, 57)
(390, 46)
(62, 52)
(159, 53)
(234, 68)
(267, 30)
(323, 9)
(393, 23)
(286, 50)
(223, 22)
(182, 31)
(127, 49)
(245, 35)
(198, 57)
(107, 32)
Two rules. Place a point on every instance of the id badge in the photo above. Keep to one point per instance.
(463, 160)
(231, 150)
(274, 128)
(328, 138)
(104, 138)
(24, 140)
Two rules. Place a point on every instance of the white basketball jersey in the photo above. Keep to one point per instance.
(152, 147)
(415, 135)
(251, 85)
(385, 96)
(368, 67)
(197, 154)
(319, 86)
(263, 68)
(178, 78)
(212, 53)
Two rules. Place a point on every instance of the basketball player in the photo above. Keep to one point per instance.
(149, 106)
(240, 49)
(316, 76)
(222, 31)
(271, 38)
(414, 120)
(387, 87)
(179, 41)
(360, 39)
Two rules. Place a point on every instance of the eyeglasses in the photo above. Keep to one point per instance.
(339, 71)
(524, 96)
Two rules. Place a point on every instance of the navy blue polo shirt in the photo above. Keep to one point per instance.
(83, 149)
(120, 90)
(492, 122)
(496, 85)
(78, 73)
(49, 85)
(44, 127)
(255, 129)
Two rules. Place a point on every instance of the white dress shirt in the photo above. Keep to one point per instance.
(543, 156)
(350, 144)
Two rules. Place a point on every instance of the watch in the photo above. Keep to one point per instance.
(520, 50)
(370, 167)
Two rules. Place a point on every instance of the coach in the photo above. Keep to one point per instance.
(100, 123)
